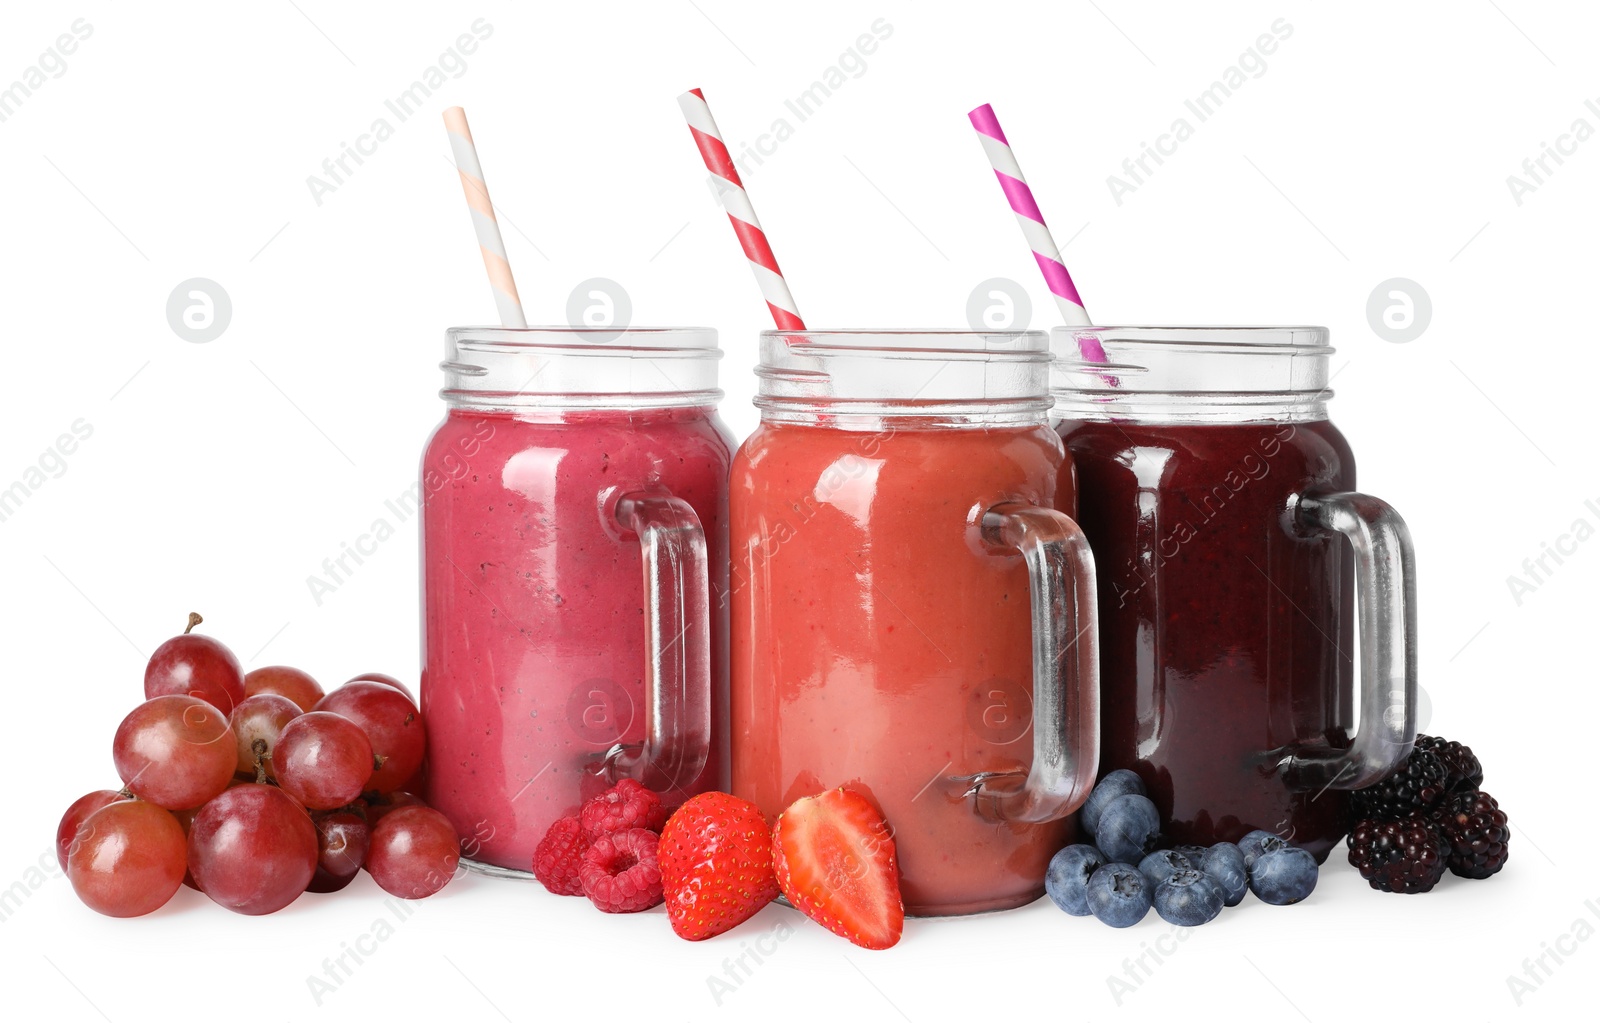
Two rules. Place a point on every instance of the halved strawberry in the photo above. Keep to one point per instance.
(716, 865)
(835, 862)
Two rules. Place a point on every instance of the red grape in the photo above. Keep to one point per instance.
(260, 718)
(130, 861)
(253, 849)
(323, 760)
(284, 681)
(195, 665)
(175, 751)
(414, 852)
(388, 802)
(342, 842)
(388, 680)
(70, 833)
(391, 721)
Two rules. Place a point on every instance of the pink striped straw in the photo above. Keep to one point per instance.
(1038, 236)
(742, 215)
(483, 219)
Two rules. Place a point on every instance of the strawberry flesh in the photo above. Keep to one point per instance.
(835, 861)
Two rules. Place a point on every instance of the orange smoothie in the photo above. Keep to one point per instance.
(878, 643)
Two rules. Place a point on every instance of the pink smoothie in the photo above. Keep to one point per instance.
(534, 627)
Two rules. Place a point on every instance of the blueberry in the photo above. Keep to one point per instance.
(1118, 895)
(1284, 876)
(1224, 864)
(1117, 783)
(1256, 843)
(1192, 853)
(1067, 880)
(1188, 899)
(1129, 828)
(1162, 864)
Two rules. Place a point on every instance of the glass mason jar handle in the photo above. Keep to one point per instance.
(677, 678)
(1386, 583)
(1066, 668)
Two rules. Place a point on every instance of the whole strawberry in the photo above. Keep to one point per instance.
(716, 865)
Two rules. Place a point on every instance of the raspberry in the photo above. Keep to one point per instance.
(559, 857)
(1463, 772)
(1405, 855)
(620, 871)
(625, 805)
(1474, 829)
(1416, 786)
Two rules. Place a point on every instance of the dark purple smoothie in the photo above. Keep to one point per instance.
(1226, 634)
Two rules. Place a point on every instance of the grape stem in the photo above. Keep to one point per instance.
(259, 748)
(194, 619)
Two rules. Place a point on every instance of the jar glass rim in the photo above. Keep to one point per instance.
(914, 343)
(601, 342)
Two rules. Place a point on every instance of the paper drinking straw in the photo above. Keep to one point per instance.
(483, 220)
(743, 216)
(1045, 253)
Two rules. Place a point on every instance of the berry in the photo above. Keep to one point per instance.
(281, 680)
(1162, 864)
(1462, 771)
(195, 665)
(392, 723)
(716, 865)
(175, 751)
(1256, 843)
(624, 806)
(1224, 864)
(1117, 783)
(1416, 786)
(253, 849)
(414, 852)
(1474, 830)
(621, 872)
(130, 860)
(260, 719)
(835, 860)
(1129, 827)
(1193, 853)
(1118, 895)
(1067, 879)
(342, 842)
(1188, 899)
(1405, 855)
(558, 858)
(1282, 877)
(70, 833)
(323, 760)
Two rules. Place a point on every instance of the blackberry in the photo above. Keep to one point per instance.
(1475, 832)
(1405, 855)
(1463, 772)
(1415, 787)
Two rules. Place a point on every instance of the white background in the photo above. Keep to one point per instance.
(1376, 144)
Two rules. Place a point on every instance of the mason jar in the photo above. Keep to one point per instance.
(1235, 559)
(574, 531)
(912, 617)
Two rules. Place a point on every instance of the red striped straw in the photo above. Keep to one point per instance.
(742, 215)
(483, 219)
(1038, 236)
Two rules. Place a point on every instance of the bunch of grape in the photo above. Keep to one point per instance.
(253, 788)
